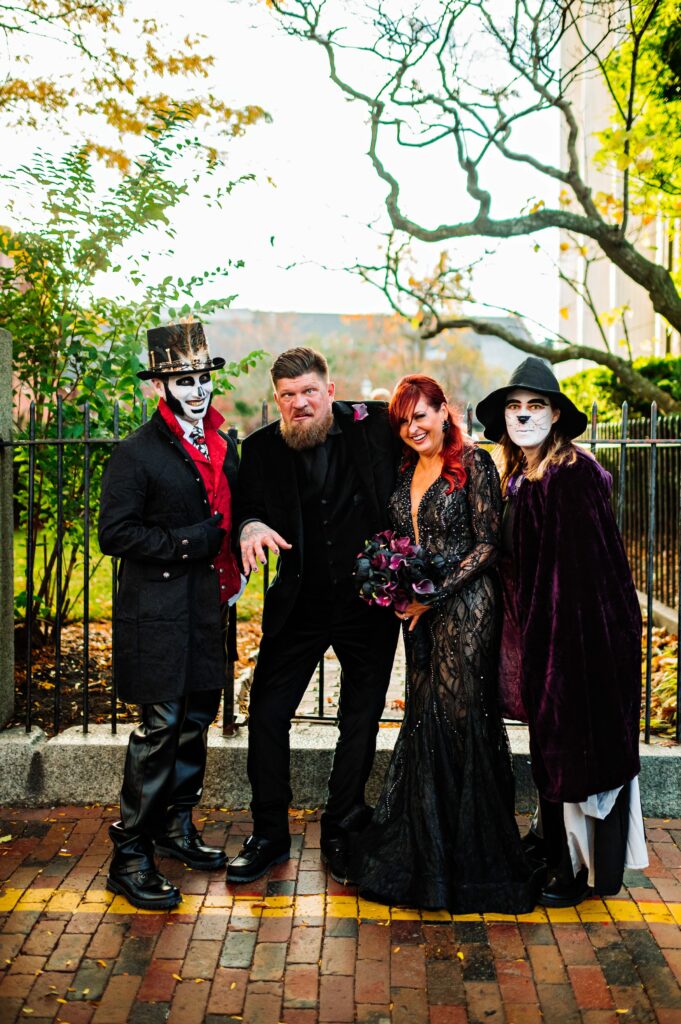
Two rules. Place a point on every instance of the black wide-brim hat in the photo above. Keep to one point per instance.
(533, 375)
(178, 348)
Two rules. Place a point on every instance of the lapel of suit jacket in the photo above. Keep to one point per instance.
(287, 478)
(356, 437)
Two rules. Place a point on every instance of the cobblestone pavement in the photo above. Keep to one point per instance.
(295, 947)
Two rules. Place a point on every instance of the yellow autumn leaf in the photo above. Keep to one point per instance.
(5, 839)
(396, 949)
(459, 954)
(177, 977)
(102, 963)
(199, 981)
(233, 985)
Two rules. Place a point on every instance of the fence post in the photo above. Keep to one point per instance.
(6, 535)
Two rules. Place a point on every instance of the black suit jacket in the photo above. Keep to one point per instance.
(268, 491)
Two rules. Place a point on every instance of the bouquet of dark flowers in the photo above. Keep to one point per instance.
(393, 571)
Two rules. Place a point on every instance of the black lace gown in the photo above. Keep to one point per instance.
(443, 834)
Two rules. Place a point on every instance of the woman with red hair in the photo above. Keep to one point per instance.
(443, 832)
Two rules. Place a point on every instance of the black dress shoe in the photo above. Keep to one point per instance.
(334, 853)
(146, 889)
(559, 893)
(257, 856)
(192, 851)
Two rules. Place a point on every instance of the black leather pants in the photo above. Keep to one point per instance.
(163, 778)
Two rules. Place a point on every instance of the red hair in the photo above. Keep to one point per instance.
(401, 409)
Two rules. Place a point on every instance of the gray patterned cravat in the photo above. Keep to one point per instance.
(198, 439)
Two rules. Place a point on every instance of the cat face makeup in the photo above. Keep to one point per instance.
(529, 417)
(188, 394)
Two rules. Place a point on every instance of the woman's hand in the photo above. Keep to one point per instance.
(413, 612)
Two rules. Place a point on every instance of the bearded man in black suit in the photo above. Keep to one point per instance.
(313, 487)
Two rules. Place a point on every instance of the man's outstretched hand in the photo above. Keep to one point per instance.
(255, 537)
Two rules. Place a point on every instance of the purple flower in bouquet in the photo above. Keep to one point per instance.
(402, 545)
(360, 411)
(394, 571)
(423, 587)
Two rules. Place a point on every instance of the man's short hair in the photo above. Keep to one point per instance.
(297, 361)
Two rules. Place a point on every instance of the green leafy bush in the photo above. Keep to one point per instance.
(76, 351)
(601, 386)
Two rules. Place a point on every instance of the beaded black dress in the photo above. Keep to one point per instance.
(443, 834)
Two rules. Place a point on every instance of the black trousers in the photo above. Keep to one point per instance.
(164, 769)
(610, 843)
(364, 638)
(163, 778)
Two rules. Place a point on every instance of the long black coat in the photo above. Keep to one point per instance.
(268, 491)
(168, 638)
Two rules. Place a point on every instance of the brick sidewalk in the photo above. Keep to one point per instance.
(298, 948)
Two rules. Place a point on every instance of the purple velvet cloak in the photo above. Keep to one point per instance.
(579, 633)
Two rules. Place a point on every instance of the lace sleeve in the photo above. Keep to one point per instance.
(484, 504)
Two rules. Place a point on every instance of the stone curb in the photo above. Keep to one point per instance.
(74, 768)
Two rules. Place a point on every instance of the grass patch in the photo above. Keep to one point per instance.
(100, 575)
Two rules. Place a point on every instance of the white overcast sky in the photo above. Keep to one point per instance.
(326, 192)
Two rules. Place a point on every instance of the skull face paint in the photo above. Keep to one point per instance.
(529, 418)
(189, 395)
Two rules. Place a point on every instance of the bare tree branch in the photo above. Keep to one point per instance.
(420, 87)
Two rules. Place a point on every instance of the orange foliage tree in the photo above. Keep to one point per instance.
(117, 69)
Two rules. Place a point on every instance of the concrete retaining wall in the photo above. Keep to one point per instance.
(77, 769)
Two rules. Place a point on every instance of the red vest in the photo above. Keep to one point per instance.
(217, 490)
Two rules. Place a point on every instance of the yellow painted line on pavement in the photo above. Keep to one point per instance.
(67, 900)
(435, 915)
(562, 915)
(9, 899)
(404, 914)
(655, 913)
(248, 907)
(593, 911)
(372, 911)
(623, 910)
(341, 906)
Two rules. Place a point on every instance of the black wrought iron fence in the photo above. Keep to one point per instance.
(643, 456)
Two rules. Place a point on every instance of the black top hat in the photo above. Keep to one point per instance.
(178, 348)
(533, 375)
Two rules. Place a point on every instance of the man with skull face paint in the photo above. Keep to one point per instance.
(571, 637)
(166, 512)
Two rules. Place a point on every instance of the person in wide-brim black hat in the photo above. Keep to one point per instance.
(533, 374)
(570, 658)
